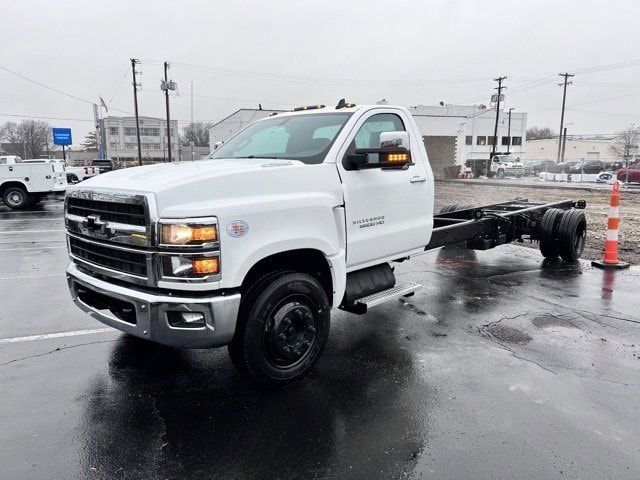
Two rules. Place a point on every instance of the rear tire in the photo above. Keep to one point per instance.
(16, 198)
(572, 235)
(283, 326)
(549, 232)
(500, 173)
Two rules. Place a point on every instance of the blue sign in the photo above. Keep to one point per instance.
(62, 136)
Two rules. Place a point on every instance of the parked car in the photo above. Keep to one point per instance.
(540, 166)
(590, 167)
(630, 174)
(104, 165)
(557, 168)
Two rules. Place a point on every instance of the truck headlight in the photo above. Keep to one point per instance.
(197, 232)
(185, 267)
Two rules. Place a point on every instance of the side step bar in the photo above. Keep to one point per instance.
(360, 305)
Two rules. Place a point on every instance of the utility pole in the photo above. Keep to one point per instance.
(564, 98)
(192, 133)
(495, 129)
(166, 85)
(509, 132)
(134, 62)
(564, 144)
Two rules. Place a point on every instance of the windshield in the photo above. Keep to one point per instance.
(303, 137)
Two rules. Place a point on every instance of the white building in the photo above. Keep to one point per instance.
(121, 142)
(452, 134)
(576, 149)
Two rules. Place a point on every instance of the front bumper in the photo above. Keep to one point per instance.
(150, 319)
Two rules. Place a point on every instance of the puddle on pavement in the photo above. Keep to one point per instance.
(508, 334)
(547, 321)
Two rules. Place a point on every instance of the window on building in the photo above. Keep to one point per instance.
(481, 140)
(129, 131)
(516, 140)
(150, 132)
(130, 146)
(113, 145)
(468, 140)
(505, 140)
(114, 131)
(490, 140)
(151, 146)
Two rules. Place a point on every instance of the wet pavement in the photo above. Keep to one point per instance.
(502, 366)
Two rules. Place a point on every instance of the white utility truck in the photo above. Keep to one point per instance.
(73, 174)
(296, 214)
(506, 166)
(25, 183)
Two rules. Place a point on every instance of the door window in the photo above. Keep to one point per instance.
(369, 134)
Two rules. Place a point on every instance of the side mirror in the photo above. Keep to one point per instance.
(393, 153)
(395, 139)
(216, 145)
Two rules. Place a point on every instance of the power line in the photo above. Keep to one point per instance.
(53, 89)
(45, 118)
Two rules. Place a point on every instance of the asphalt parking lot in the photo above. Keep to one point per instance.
(502, 366)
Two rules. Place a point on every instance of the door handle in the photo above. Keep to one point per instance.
(418, 179)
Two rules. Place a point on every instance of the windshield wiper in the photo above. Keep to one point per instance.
(257, 156)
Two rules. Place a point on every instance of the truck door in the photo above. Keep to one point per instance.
(389, 212)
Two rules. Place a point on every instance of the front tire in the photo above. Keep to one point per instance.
(283, 326)
(16, 198)
(500, 173)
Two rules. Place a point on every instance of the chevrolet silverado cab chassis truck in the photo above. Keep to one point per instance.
(296, 214)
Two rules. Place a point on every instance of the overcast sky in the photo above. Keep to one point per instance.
(284, 53)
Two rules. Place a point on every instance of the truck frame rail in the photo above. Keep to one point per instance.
(488, 226)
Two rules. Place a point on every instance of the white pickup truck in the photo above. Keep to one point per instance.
(296, 214)
(24, 183)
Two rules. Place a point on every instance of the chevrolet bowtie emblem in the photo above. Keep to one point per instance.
(94, 224)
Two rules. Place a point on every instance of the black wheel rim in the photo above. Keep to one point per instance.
(290, 331)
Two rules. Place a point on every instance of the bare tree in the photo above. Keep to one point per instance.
(536, 133)
(626, 144)
(199, 134)
(33, 135)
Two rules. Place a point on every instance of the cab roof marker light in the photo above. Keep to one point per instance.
(307, 107)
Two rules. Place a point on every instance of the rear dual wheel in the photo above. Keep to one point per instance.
(563, 233)
(282, 328)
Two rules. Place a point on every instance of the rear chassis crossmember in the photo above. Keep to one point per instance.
(488, 226)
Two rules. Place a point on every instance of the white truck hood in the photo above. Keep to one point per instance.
(207, 187)
(155, 178)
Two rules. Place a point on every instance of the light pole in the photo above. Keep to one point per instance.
(167, 85)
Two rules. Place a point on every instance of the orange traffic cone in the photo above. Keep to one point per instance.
(611, 243)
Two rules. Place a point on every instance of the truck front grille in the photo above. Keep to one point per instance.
(127, 213)
(125, 261)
